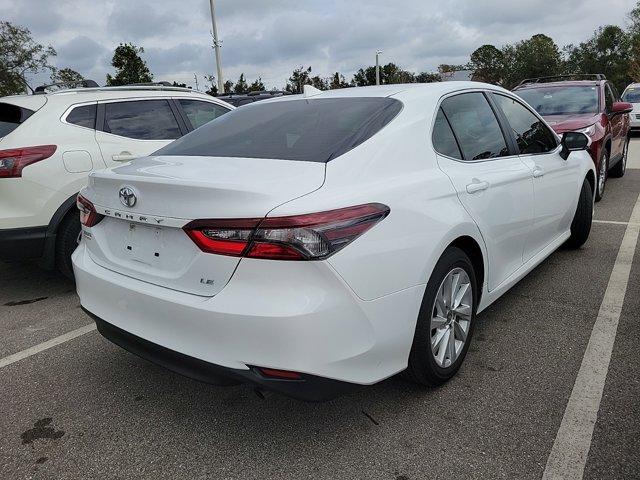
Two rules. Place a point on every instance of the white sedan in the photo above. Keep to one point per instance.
(311, 243)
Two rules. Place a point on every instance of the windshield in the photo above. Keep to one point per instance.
(313, 130)
(631, 95)
(561, 100)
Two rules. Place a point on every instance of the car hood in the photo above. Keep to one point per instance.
(567, 123)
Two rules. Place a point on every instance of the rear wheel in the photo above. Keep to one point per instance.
(581, 224)
(66, 242)
(445, 322)
(603, 170)
(621, 167)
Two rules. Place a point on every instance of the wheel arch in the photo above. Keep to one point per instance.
(472, 249)
(591, 178)
(48, 258)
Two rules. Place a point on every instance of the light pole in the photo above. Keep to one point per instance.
(378, 52)
(216, 46)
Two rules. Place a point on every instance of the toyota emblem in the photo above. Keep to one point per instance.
(127, 197)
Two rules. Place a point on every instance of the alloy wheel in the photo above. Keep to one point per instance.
(602, 178)
(451, 317)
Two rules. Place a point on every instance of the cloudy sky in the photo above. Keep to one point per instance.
(269, 38)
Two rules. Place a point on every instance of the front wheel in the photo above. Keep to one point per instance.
(445, 322)
(581, 224)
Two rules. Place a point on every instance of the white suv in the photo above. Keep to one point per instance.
(49, 143)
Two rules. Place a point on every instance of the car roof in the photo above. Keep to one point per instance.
(80, 95)
(562, 83)
(400, 91)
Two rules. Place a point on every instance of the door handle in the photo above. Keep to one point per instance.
(123, 157)
(477, 186)
(538, 172)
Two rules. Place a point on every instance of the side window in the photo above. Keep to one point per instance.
(141, 120)
(200, 112)
(608, 98)
(475, 126)
(85, 116)
(443, 139)
(532, 135)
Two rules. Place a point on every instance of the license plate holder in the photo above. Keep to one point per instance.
(144, 243)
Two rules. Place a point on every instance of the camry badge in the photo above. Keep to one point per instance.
(127, 197)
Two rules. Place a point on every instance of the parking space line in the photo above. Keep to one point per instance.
(46, 345)
(568, 456)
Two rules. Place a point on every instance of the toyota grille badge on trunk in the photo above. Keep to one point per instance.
(127, 197)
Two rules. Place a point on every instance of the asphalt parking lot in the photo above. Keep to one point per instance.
(87, 409)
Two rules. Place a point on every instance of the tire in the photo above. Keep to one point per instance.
(603, 172)
(581, 224)
(423, 366)
(66, 243)
(621, 167)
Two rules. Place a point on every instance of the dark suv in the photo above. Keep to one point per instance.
(589, 104)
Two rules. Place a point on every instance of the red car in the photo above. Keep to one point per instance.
(589, 104)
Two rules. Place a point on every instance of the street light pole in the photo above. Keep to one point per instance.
(378, 52)
(216, 46)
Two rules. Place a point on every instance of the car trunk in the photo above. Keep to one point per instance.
(146, 240)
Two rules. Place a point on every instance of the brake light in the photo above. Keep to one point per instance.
(88, 215)
(12, 161)
(311, 236)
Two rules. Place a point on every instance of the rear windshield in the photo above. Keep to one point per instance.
(631, 95)
(562, 100)
(11, 116)
(311, 130)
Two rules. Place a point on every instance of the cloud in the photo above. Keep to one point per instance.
(270, 38)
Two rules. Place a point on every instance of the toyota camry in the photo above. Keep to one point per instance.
(311, 243)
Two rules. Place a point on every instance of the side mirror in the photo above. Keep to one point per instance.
(572, 142)
(621, 107)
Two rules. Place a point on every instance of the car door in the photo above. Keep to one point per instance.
(618, 133)
(491, 181)
(199, 112)
(128, 129)
(554, 179)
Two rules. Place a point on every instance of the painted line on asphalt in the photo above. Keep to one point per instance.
(570, 450)
(46, 345)
(615, 222)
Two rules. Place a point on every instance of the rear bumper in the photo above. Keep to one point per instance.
(308, 388)
(296, 316)
(22, 243)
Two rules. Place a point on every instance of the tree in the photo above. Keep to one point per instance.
(608, 51)
(389, 73)
(338, 81)
(487, 63)
(129, 65)
(298, 78)
(257, 85)
(213, 87)
(428, 77)
(228, 87)
(537, 56)
(67, 76)
(241, 85)
(20, 54)
(319, 82)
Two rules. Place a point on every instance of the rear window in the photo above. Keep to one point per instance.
(311, 130)
(11, 116)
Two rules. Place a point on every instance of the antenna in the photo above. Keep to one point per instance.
(310, 91)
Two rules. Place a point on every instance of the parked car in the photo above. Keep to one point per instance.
(49, 143)
(318, 242)
(239, 99)
(588, 104)
(631, 95)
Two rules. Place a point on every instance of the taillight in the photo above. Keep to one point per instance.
(88, 215)
(310, 236)
(12, 161)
